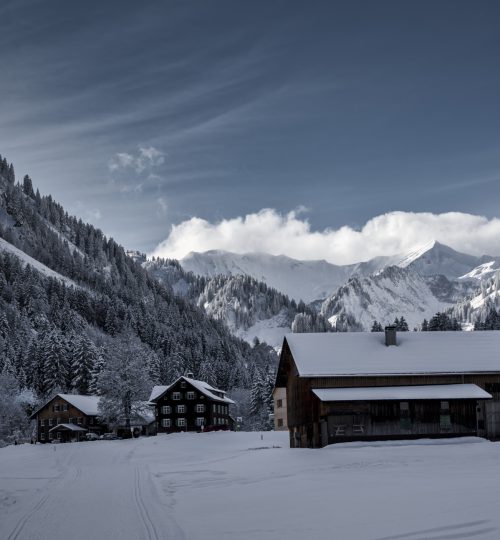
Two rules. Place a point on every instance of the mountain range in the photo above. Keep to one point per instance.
(430, 278)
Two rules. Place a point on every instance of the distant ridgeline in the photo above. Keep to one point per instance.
(69, 295)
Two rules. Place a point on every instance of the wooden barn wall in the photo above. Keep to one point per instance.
(303, 406)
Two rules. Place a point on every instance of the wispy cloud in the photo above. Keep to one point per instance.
(146, 158)
(162, 206)
(288, 234)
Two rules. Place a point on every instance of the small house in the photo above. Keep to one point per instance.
(191, 405)
(349, 386)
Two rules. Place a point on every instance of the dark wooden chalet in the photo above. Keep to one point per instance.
(68, 417)
(366, 386)
(191, 405)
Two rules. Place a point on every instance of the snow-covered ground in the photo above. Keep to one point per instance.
(236, 486)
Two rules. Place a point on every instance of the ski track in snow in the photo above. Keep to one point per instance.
(237, 486)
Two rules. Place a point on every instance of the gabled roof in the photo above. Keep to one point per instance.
(402, 393)
(364, 353)
(68, 427)
(88, 405)
(202, 386)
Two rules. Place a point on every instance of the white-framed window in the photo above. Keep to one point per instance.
(181, 422)
(56, 408)
(72, 420)
(200, 421)
(176, 396)
(51, 436)
(42, 436)
(183, 384)
(191, 395)
(200, 407)
(42, 422)
(80, 420)
(65, 407)
(166, 422)
(445, 405)
(216, 420)
(214, 407)
(181, 409)
(166, 409)
(51, 421)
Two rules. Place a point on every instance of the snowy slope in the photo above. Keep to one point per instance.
(382, 297)
(300, 280)
(26, 259)
(239, 486)
(476, 306)
(435, 258)
(483, 271)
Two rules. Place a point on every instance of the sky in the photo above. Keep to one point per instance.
(187, 125)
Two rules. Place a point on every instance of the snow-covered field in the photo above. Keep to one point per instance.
(236, 486)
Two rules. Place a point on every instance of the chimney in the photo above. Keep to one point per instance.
(390, 336)
(189, 375)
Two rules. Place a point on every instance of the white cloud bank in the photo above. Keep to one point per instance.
(271, 232)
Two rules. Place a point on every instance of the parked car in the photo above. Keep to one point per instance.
(108, 437)
(92, 436)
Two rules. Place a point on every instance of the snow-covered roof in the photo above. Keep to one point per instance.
(87, 404)
(365, 353)
(69, 427)
(202, 386)
(398, 393)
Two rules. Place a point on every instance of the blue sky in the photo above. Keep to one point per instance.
(140, 116)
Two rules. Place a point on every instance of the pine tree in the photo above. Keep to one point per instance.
(55, 366)
(84, 356)
(377, 327)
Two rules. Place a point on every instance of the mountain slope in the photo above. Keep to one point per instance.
(249, 308)
(382, 297)
(300, 280)
(62, 281)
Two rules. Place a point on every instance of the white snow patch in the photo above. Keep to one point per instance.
(37, 265)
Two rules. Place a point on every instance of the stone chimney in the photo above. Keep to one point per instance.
(390, 336)
(189, 375)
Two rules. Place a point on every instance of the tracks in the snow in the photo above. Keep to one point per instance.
(148, 523)
(18, 529)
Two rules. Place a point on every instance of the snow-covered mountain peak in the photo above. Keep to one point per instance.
(382, 297)
(414, 254)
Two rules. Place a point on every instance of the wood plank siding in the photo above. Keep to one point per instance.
(313, 423)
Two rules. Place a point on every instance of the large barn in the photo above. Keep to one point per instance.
(368, 386)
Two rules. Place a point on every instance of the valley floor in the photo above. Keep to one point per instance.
(236, 486)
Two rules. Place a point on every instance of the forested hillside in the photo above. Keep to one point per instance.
(250, 308)
(69, 296)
